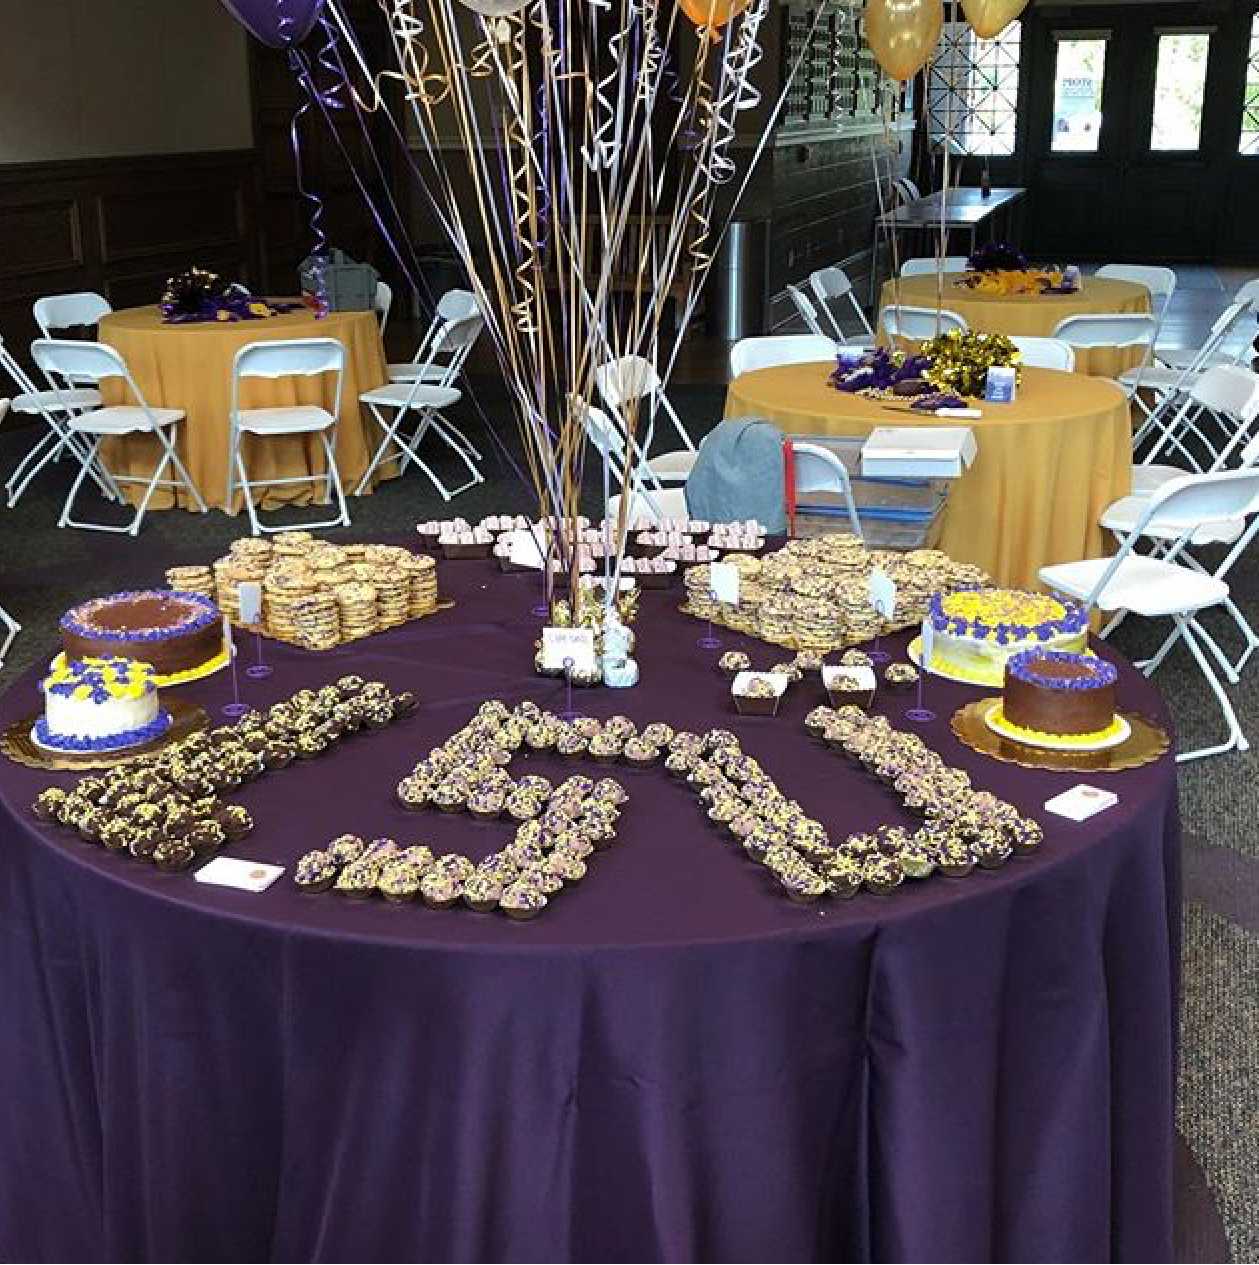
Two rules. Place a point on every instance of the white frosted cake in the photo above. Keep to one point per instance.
(975, 632)
(100, 705)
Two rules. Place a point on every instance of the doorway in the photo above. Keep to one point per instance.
(1131, 129)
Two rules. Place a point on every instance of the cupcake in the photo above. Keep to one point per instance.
(439, 889)
(399, 880)
(900, 675)
(641, 753)
(345, 849)
(482, 892)
(358, 879)
(856, 659)
(733, 662)
(522, 900)
(172, 855)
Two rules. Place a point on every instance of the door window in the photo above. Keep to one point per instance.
(1079, 77)
(1180, 81)
(1249, 143)
(973, 90)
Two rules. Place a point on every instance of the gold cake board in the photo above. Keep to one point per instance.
(1146, 743)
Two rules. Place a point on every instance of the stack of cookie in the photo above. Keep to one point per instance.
(315, 593)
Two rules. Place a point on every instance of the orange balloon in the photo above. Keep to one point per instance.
(991, 17)
(902, 34)
(713, 13)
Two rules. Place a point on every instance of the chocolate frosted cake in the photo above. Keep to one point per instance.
(175, 632)
(1055, 692)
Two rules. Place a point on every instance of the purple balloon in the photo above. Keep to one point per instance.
(279, 23)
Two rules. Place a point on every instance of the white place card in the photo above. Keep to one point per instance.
(559, 645)
(1081, 802)
(882, 592)
(249, 593)
(249, 876)
(723, 580)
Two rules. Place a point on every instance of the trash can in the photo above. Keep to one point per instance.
(736, 286)
(441, 270)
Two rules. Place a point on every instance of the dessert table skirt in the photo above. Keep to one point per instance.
(674, 1062)
(190, 367)
(1048, 463)
(1031, 314)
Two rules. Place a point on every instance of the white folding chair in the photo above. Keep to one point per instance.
(382, 303)
(1044, 353)
(749, 354)
(805, 310)
(1247, 295)
(1121, 518)
(830, 286)
(1112, 329)
(12, 628)
(57, 439)
(92, 362)
(427, 400)
(431, 356)
(905, 189)
(69, 311)
(627, 379)
(1226, 394)
(1157, 588)
(1168, 386)
(922, 266)
(816, 469)
(1158, 280)
(919, 323)
(286, 358)
(624, 463)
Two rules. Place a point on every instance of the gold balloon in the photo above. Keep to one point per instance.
(902, 34)
(712, 13)
(991, 17)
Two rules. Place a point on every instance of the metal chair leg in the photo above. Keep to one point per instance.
(1236, 739)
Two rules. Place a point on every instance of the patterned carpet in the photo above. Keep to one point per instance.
(43, 570)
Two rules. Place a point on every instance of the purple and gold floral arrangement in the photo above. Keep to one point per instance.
(197, 295)
(997, 257)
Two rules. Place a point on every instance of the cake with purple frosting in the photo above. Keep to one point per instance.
(99, 705)
(174, 631)
(1057, 693)
(974, 633)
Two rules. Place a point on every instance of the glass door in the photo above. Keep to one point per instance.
(1127, 124)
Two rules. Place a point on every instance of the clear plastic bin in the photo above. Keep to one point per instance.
(894, 513)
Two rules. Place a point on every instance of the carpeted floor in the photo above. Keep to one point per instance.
(44, 570)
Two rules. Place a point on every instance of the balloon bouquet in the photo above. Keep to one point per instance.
(575, 154)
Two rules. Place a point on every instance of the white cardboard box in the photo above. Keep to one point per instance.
(918, 452)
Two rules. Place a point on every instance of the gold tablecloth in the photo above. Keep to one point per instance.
(1036, 314)
(190, 367)
(1048, 464)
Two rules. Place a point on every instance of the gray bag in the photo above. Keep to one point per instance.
(738, 474)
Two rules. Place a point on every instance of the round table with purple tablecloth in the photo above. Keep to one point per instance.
(673, 1062)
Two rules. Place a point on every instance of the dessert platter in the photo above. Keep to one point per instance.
(815, 594)
(100, 705)
(317, 594)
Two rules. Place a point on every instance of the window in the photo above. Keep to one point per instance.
(1249, 143)
(1079, 75)
(1180, 81)
(973, 92)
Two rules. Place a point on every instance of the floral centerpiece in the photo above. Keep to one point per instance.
(199, 295)
(999, 268)
(888, 374)
(960, 359)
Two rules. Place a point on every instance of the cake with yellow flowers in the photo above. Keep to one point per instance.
(974, 633)
(178, 633)
(100, 705)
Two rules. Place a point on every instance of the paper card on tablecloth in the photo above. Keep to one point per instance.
(882, 592)
(723, 580)
(1081, 802)
(249, 595)
(249, 876)
(562, 644)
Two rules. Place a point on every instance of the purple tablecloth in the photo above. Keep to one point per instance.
(674, 1062)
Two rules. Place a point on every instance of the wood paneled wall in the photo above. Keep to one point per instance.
(120, 226)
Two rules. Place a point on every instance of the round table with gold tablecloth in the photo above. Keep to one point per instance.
(1032, 314)
(189, 367)
(1048, 464)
